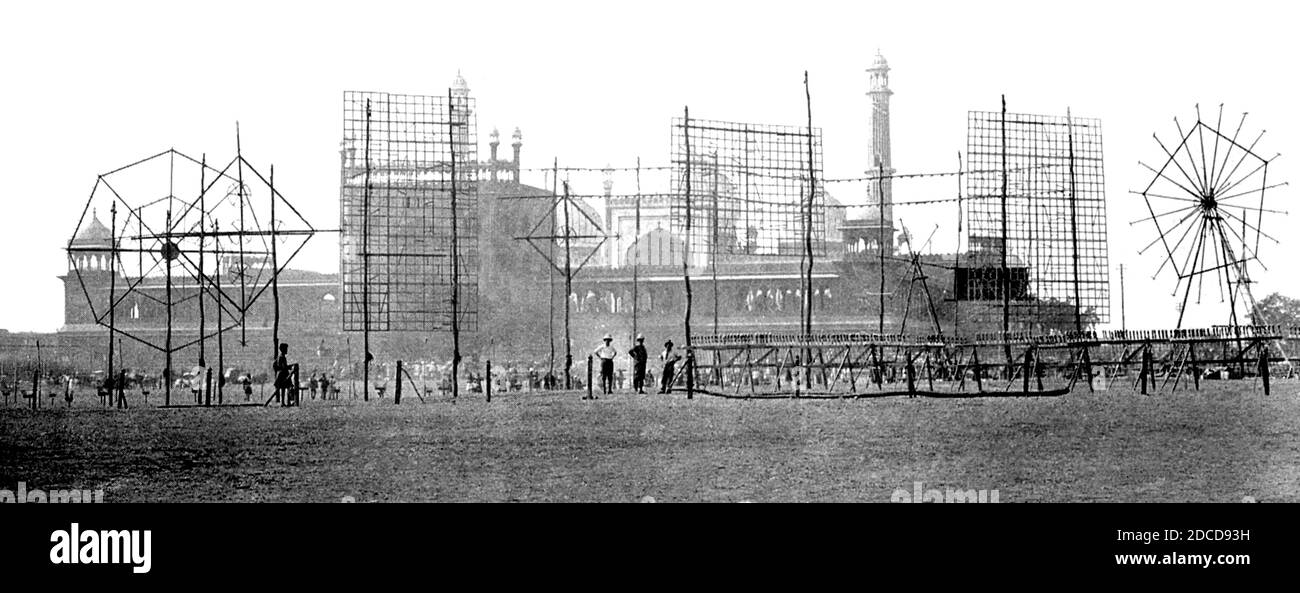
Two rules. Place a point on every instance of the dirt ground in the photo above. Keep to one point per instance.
(1222, 444)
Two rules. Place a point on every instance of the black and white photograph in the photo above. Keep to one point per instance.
(981, 252)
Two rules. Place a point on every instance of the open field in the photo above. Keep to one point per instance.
(1224, 443)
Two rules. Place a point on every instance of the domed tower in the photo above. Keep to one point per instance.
(89, 264)
(878, 153)
(94, 246)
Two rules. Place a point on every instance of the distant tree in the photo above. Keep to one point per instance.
(1276, 309)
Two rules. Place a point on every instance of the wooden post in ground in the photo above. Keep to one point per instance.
(1146, 367)
(35, 378)
(690, 373)
(1196, 370)
(911, 374)
(878, 373)
(590, 394)
(207, 388)
(397, 390)
(297, 386)
(1028, 368)
(1263, 365)
(929, 374)
(1151, 372)
(1038, 371)
(488, 388)
(1087, 367)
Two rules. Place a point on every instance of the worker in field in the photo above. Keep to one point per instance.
(606, 355)
(639, 358)
(283, 376)
(670, 358)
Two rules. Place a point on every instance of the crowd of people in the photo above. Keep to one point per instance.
(639, 357)
(288, 387)
(611, 371)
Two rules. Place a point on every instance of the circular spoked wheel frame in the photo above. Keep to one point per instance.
(1207, 206)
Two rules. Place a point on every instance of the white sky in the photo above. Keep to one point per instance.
(91, 86)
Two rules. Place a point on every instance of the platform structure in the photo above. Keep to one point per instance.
(881, 365)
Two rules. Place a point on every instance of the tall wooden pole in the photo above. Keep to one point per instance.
(275, 278)
(139, 225)
(1074, 227)
(808, 238)
(455, 253)
(221, 333)
(881, 240)
(243, 263)
(550, 271)
(167, 340)
(1006, 274)
(713, 257)
(1123, 323)
(636, 255)
(808, 219)
(686, 258)
(365, 273)
(568, 290)
(203, 212)
(112, 284)
(121, 372)
(956, 302)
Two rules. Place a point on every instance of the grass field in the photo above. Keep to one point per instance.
(1224, 443)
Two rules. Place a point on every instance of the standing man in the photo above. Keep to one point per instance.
(283, 376)
(670, 358)
(639, 358)
(606, 355)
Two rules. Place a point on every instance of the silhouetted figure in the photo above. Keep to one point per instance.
(283, 376)
(670, 358)
(639, 358)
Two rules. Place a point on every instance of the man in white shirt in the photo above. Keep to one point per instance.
(606, 355)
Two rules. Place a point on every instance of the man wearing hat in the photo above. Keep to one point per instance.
(670, 358)
(606, 355)
(639, 358)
